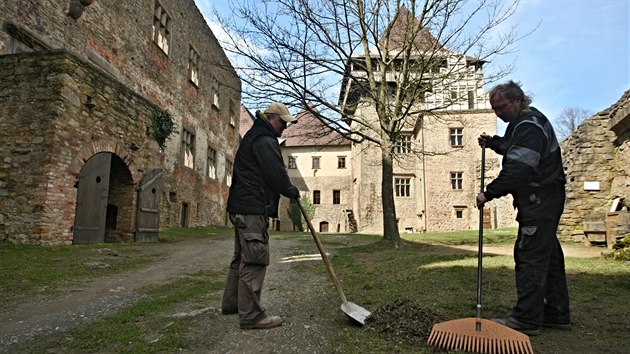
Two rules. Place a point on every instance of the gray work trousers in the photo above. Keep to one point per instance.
(246, 274)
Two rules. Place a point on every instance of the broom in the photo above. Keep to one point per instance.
(477, 334)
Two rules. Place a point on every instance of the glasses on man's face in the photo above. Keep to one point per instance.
(284, 124)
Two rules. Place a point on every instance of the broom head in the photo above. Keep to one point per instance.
(479, 335)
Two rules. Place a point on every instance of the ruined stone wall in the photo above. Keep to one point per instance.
(117, 38)
(596, 161)
(47, 132)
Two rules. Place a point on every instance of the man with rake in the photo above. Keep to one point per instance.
(533, 174)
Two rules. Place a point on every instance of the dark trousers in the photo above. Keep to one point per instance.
(541, 282)
(246, 274)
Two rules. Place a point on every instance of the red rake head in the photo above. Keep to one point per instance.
(488, 337)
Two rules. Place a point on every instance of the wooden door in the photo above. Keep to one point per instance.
(487, 218)
(91, 209)
(148, 213)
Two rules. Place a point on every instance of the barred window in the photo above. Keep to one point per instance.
(457, 180)
(161, 28)
(188, 147)
(457, 136)
(402, 187)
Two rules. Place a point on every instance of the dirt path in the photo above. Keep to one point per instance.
(304, 301)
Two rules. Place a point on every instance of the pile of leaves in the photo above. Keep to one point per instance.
(404, 319)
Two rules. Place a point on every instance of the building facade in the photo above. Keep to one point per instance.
(89, 91)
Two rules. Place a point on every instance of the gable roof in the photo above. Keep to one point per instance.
(310, 131)
(423, 40)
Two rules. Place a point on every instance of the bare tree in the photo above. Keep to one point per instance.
(336, 55)
(569, 119)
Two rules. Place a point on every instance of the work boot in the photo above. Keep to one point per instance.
(265, 323)
(510, 322)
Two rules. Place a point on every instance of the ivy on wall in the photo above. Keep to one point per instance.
(162, 126)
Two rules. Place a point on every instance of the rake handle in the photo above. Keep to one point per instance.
(320, 247)
(480, 251)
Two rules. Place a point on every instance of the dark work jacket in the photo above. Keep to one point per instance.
(259, 175)
(532, 168)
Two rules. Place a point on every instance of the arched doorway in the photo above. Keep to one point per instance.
(323, 226)
(104, 208)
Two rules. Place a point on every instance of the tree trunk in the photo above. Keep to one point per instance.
(390, 226)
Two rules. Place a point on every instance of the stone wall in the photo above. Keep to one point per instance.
(47, 132)
(433, 203)
(596, 158)
(115, 38)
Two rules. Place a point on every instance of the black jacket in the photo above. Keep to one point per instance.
(532, 163)
(259, 174)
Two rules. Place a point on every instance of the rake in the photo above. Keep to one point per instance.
(479, 335)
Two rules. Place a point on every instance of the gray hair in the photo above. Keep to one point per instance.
(512, 91)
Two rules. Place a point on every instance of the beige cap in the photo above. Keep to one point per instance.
(281, 110)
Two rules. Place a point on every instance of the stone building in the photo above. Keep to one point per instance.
(437, 165)
(596, 158)
(88, 90)
(319, 163)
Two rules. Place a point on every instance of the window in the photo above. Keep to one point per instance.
(212, 163)
(457, 136)
(161, 28)
(232, 115)
(456, 180)
(193, 66)
(317, 197)
(341, 162)
(188, 147)
(403, 144)
(459, 212)
(292, 162)
(336, 196)
(316, 162)
(215, 94)
(402, 186)
(228, 173)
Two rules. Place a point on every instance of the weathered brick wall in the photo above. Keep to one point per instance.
(47, 133)
(594, 153)
(116, 37)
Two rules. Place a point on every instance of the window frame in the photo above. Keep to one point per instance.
(161, 28)
(456, 136)
(336, 197)
(341, 162)
(402, 187)
(188, 147)
(316, 163)
(404, 143)
(317, 197)
(292, 162)
(457, 180)
(211, 163)
(193, 66)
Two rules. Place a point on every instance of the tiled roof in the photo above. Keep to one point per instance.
(246, 121)
(423, 41)
(310, 131)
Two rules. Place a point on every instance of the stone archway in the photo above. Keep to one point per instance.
(104, 207)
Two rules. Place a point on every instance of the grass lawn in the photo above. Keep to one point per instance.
(425, 270)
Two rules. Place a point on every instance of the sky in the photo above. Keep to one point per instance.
(578, 55)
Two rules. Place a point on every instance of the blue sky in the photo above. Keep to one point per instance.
(577, 57)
